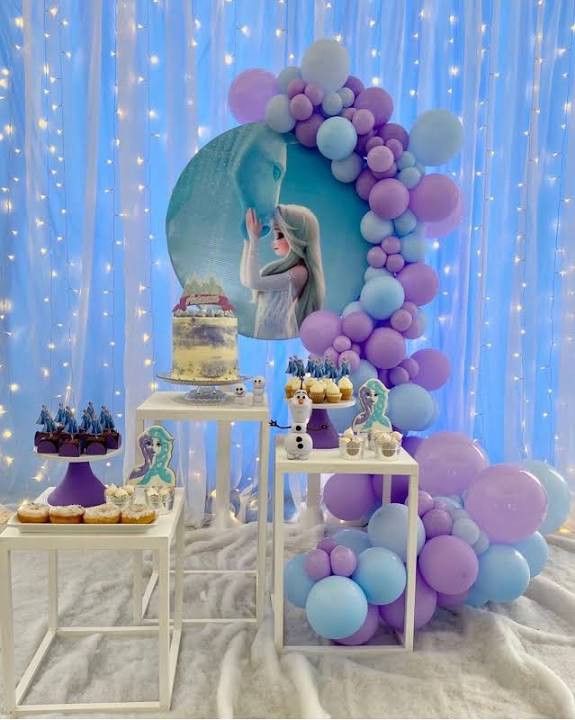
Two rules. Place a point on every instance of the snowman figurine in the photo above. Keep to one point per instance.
(240, 395)
(298, 442)
(259, 389)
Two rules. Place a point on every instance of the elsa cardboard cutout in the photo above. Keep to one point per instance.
(372, 398)
(156, 446)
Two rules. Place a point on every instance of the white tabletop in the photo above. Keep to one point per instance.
(324, 461)
(170, 405)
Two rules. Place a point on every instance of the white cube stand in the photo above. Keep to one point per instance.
(161, 406)
(330, 461)
(157, 538)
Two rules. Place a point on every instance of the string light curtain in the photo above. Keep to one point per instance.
(102, 104)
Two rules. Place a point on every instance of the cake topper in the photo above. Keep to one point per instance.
(156, 445)
(372, 398)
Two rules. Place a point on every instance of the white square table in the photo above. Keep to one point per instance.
(330, 461)
(158, 537)
(162, 405)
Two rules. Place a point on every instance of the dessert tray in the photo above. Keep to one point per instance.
(204, 391)
(84, 458)
(81, 528)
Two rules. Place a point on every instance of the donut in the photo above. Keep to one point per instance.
(33, 513)
(106, 513)
(66, 514)
(138, 515)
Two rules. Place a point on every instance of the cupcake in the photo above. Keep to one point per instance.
(332, 392)
(387, 444)
(346, 387)
(289, 391)
(33, 513)
(66, 514)
(317, 391)
(307, 383)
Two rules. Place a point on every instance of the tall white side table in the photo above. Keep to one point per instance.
(330, 461)
(157, 538)
(171, 405)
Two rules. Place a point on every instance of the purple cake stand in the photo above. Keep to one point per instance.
(79, 486)
(320, 426)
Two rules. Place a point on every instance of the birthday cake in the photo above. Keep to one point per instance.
(204, 334)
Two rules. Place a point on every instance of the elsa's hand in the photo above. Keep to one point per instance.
(253, 225)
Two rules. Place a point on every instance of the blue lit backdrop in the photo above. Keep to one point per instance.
(102, 104)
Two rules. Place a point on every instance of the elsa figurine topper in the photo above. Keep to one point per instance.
(288, 289)
(156, 445)
(372, 397)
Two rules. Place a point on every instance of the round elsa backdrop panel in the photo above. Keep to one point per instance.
(315, 227)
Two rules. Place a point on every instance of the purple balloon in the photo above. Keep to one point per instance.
(332, 355)
(354, 84)
(391, 245)
(315, 93)
(411, 444)
(379, 158)
(441, 228)
(395, 263)
(249, 94)
(420, 282)
(376, 100)
(342, 343)
(437, 522)
(394, 131)
(317, 564)
(376, 257)
(295, 87)
(507, 502)
(364, 183)
(410, 307)
(327, 544)
(400, 321)
(395, 146)
(451, 602)
(449, 463)
(411, 366)
(399, 487)
(366, 631)
(351, 357)
(300, 107)
(391, 173)
(385, 348)
(373, 142)
(393, 614)
(362, 140)
(424, 503)
(358, 326)
(434, 368)
(306, 131)
(417, 327)
(389, 198)
(448, 564)
(398, 375)
(349, 497)
(343, 561)
(383, 376)
(348, 113)
(319, 330)
(434, 198)
(356, 347)
(363, 121)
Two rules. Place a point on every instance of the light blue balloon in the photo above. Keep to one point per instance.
(364, 372)
(413, 247)
(558, 495)
(405, 223)
(405, 160)
(372, 273)
(410, 177)
(482, 544)
(286, 76)
(354, 306)
(374, 229)
(503, 573)
(326, 63)
(535, 550)
(356, 540)
(436, 137)
(421, 168)
(332, 104)
(297, 582)
(476, 598)
(381, 575)
(457, 500)
(347, 96)
(452, 505)
(466, 529)
(410, 407)
(458, 513)
(387, 528)
(278, 115)
(336, 138)
(336, 607)
(348, 169)
(382, 296)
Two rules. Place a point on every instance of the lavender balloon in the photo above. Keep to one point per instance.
(343, 561)
(319, 330)
(366, 631)
(434, 198)
(317, 564)
(327, 544)
(388, 198)
(449, 463)
(358, 326)
(378, 101)
(448, 564)
(425, 603)
(437, 522)
(249, 94)
(434, 368)
(349, 497)
(420, 283)
(451, 602)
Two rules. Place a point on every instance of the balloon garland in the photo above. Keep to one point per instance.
(480, 526)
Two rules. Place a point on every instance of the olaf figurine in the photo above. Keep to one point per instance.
(298, 443)
(240, 395)
(258, 390)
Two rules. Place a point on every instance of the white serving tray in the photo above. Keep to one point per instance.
(80, 528)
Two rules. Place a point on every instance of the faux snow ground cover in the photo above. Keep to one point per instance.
(514, 661)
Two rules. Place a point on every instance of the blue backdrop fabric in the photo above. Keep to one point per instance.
(102, 105)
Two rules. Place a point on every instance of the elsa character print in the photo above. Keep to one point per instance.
(156, 445)
(286, 290)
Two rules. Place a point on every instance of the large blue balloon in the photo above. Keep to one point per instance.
(436, 136)
(356, 540)
(413, 247)
(336, 138)
(475, 597)
(372, 273)
(503, 573)
(326, 63)
(381, 575)
(297, 582)
(387, 528)
(558, 495)
(535, 550)
(382, 296)
(336, 607)
(410, 407)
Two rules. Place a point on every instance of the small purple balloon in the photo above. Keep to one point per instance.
(366, 631)
(358, 326)
(437, 522)
(319, 330)
(376, 257)
(411, 366)
(448, 564)
(395, 131)
(300, 107)
(327, 544)
(349, 497)
(385, 348)
(249, 94)
(395, 147)
(363, 121)
(398, 376)
(424, 503)
(306, 131)
(400, 321)
(378, 101)
(383, 376)
(410, 307)
(295, 87)
(343, 561)
(362, 141)
(315, 93)
(391, 244)
(389, 198)
(379, 158)
(393, 614)
(434, 368)
(451, 602)
(317, 564)
(417, 327)
(356, 348)
(348, 113)
(420, 281)
(341, 343)
(354, 84)
(352, 358)
(373, 142)
(332, 355)
(391, 173)
(434, 198)
(395, 263)
(364, 183)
